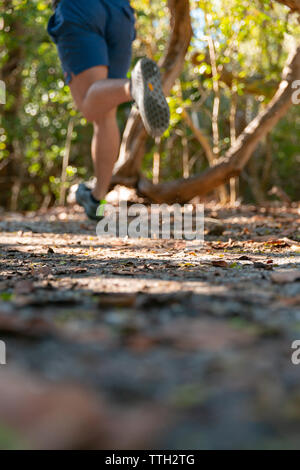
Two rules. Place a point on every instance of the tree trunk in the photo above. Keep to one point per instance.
(239, 154)
(293, 4)
(11, 74)
(66, 158)
(127, 168)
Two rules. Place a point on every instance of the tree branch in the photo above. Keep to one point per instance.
(239, 154)
(294, 5)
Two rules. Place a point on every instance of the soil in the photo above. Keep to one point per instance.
(144, 343)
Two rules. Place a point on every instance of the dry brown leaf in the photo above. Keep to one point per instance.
(260, 265)
(220, 263)
(79, 269)
(41, 271)
(270, 240)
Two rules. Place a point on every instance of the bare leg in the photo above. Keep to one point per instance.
(103, 96)
(95, 94)
(105, 151)
(98, 98)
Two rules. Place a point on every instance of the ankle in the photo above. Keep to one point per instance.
(128, 90)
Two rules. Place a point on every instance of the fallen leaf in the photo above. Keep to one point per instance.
(217, 230)
(40, 271)
(79, 269)
(260, 265)
(220, 263)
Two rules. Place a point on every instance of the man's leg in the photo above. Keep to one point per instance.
(98, 98)
(105, 151)
(95, 94)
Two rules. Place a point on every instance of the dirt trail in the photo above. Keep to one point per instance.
(150, 343)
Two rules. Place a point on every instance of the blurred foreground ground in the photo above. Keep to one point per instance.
(125, 344)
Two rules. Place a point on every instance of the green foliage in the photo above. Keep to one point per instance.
(251, 40)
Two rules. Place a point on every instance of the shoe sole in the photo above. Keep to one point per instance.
(153, 105)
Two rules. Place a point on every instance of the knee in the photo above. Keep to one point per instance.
(96, 116)
(90, 114)
(103, 119)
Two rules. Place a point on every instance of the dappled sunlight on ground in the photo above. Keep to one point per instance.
(190, 344)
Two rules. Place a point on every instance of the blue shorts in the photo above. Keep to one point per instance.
(89, 33)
